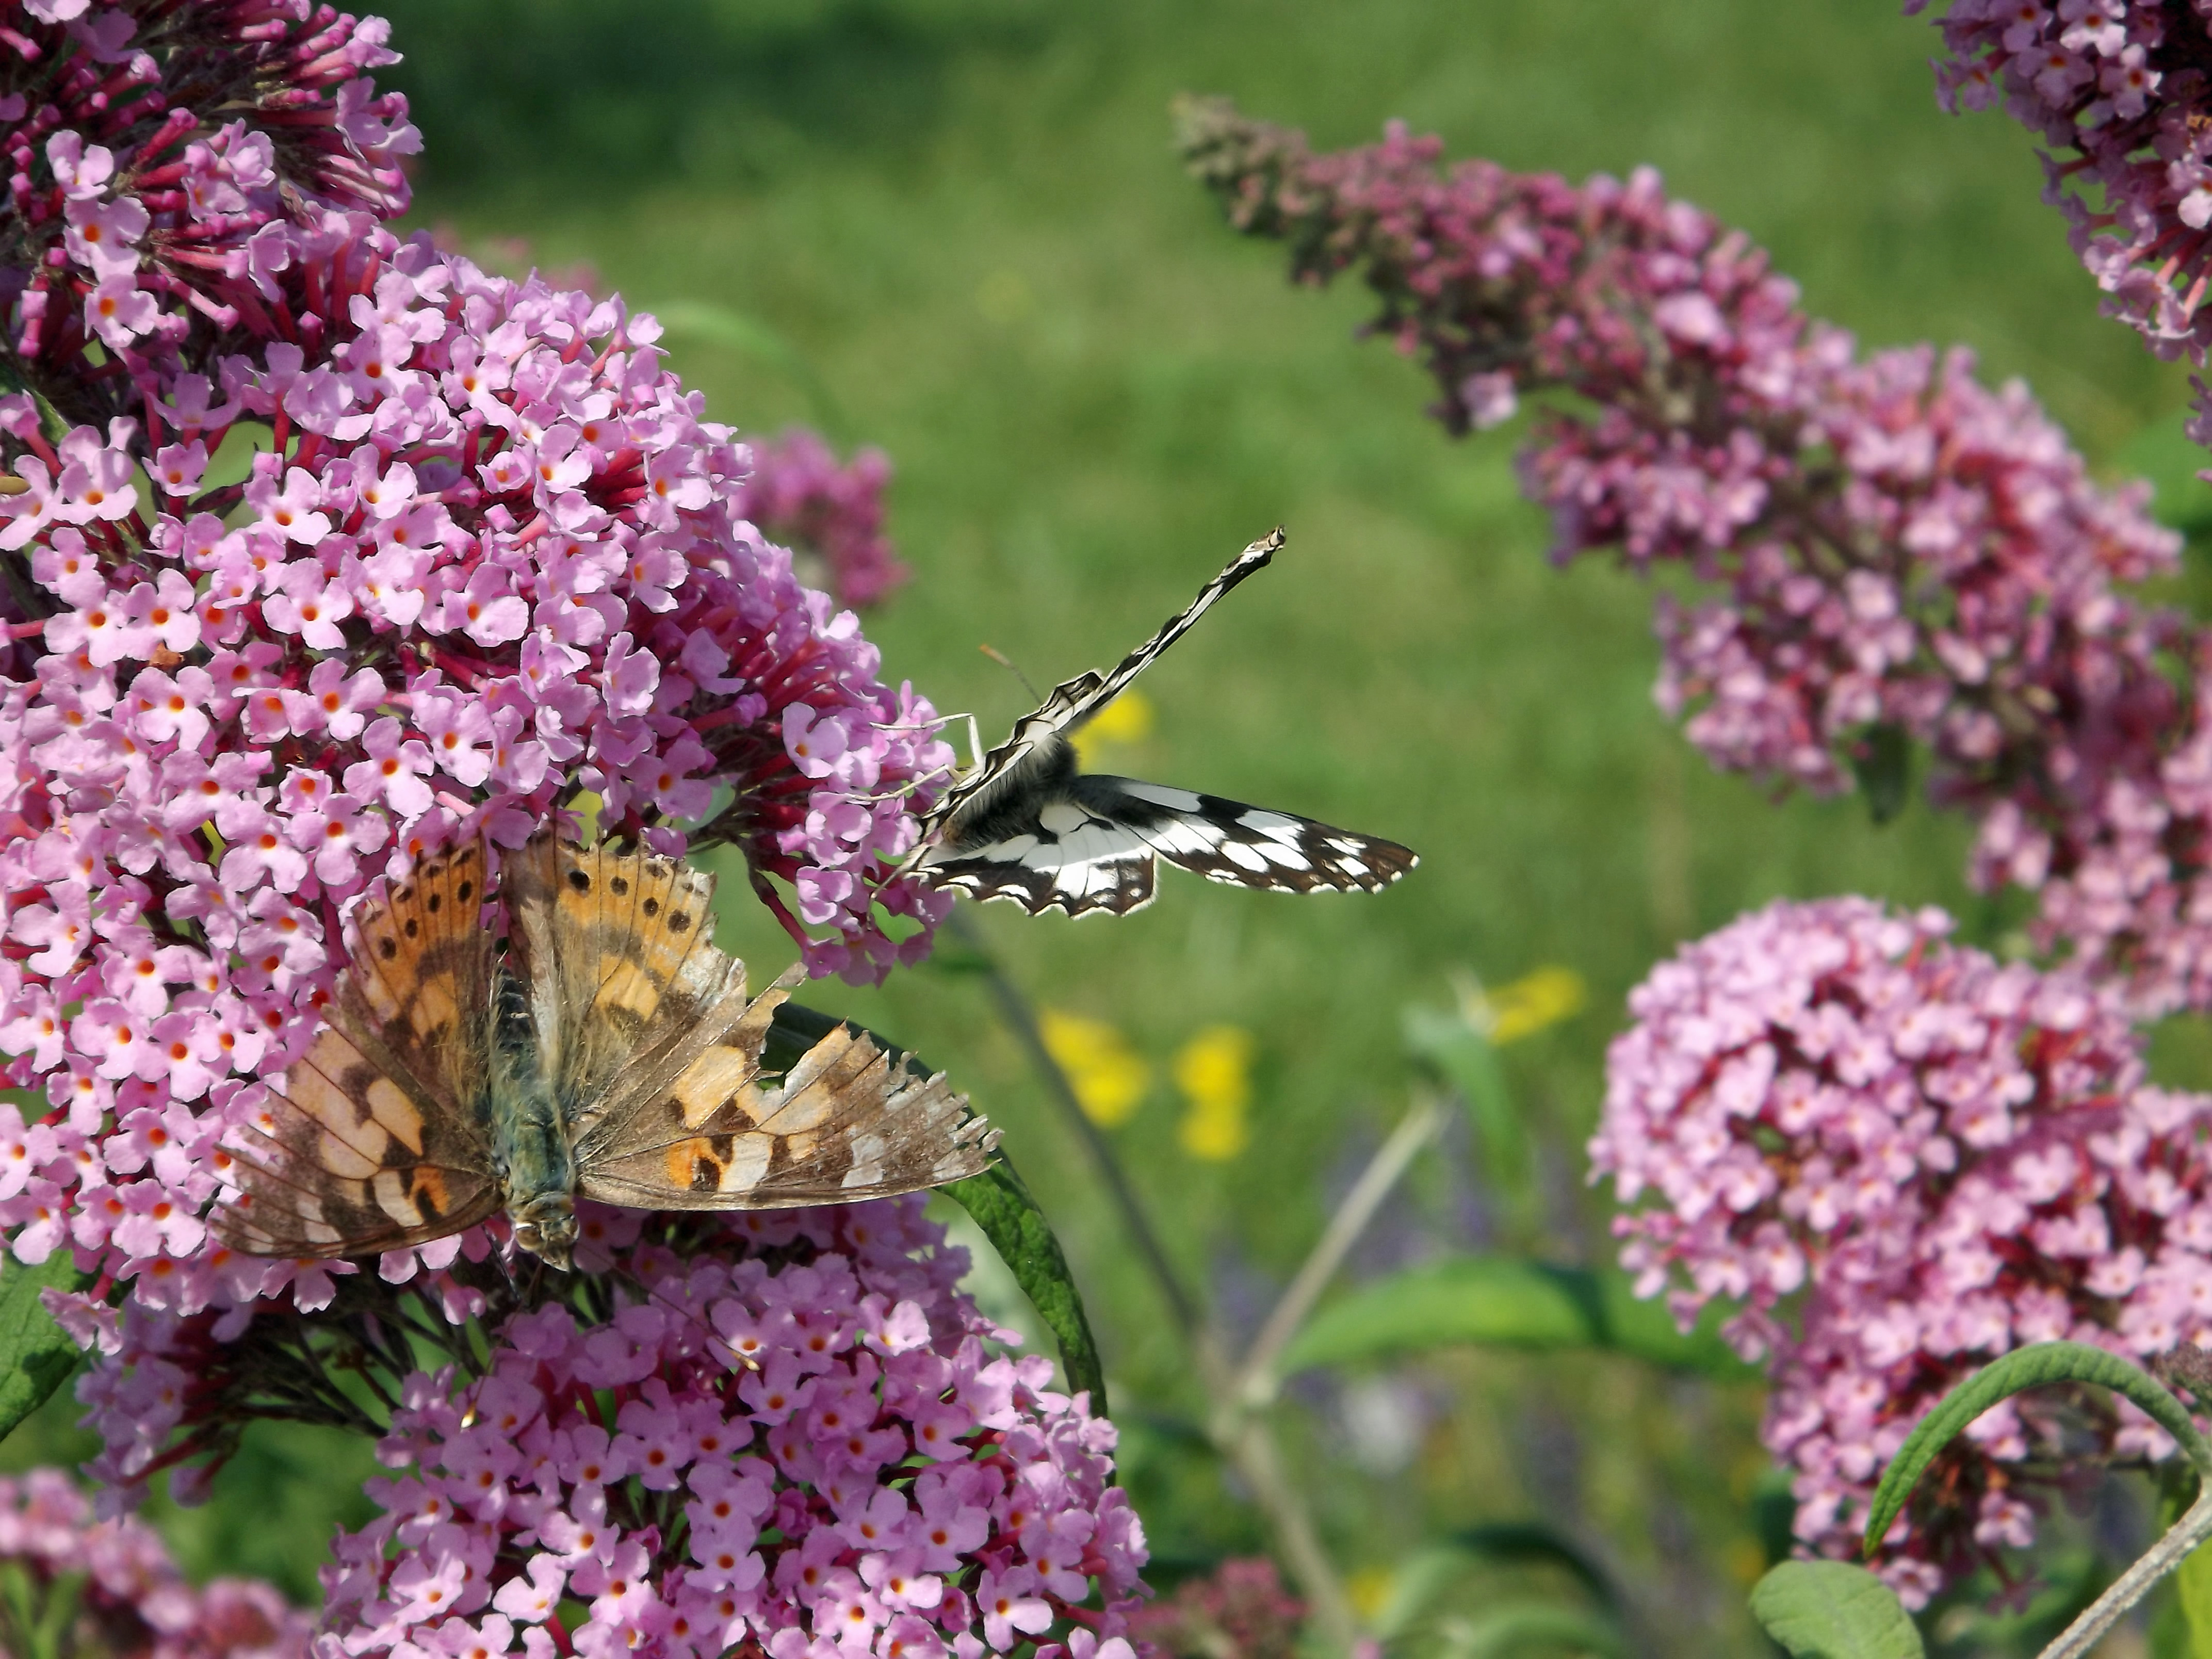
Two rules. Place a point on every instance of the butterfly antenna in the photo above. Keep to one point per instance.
(1011, 667)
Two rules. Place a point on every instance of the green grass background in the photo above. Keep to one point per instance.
(967, 220)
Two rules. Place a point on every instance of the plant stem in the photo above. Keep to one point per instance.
(1256, 1384)
(1021, 1020)
(2130, 1586)
(1244, 1438)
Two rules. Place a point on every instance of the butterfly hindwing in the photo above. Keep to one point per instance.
(416, 994)
(1227, 841)
(845, 1124)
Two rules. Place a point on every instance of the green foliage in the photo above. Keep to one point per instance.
(1009, 1218)
(36, 1358)
(2035, 1366)
(2192, 1586)
(1505, 1302)
(1832, 1610)
(1467, 1060)
(1528, 1628)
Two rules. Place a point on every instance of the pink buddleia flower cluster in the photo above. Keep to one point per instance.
(796, 1443)
(165, 160)
(1903, 1159)
(830, 515)
(494, 555)
(1240, 1610)
(129, 1599)
(2119, 91)
(1902, 552)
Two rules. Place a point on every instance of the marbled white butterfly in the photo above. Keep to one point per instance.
(1025, 824)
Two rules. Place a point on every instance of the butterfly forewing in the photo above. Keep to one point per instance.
(1074, 702)
(378, 1135)
(615, 952)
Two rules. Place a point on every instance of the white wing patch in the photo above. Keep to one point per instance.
(1025, 825)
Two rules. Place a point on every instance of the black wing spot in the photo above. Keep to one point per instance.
(413, 927)
(583, 883)
(432, 902)
(388, 947)
(407, 893)
(678, 921)
(466, 892)
(619, 885)
(650, 907)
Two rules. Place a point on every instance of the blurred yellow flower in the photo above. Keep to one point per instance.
(1528, 1004)
(1128, 718)
(1214, 1071)
(1108, 1077)
(1369, 1589)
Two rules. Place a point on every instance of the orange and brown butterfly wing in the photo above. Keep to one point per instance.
(845, 1124)
(616, 952)
(378, 1136)
(344, 1160)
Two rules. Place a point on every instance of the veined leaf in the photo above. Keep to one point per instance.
(1001, 1206)
(36, 1357)
(1833, 1610)
(2024, 1368)
(1504, 1302)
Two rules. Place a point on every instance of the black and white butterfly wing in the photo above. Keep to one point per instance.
(1074, 702)
(1093, 843)
(1027, 825)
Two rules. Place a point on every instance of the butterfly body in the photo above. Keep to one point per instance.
(612, 1052)
(1026, 824)
(531, 1158)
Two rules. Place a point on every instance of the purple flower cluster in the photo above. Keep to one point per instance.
(796, 1443)
(831, 516)
(2119, 91)
(1903, 1159)
(495, 554)
(130, 1603)
(165, 161)
(1240, 1610)
(1902, 551)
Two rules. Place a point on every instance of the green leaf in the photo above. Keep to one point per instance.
(1833, 1610)
(2192, 1583)
(1467, 1060)
(1504, 1302)
(733, 330)
(36, 1358)
(2024, 1368)
(1521, 1542)
(1001, 1206)
(1518, 1627)
(1883, 761)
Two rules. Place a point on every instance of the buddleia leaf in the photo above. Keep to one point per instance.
(1833, 1610)
(2030, 1367)
(36, 1356)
